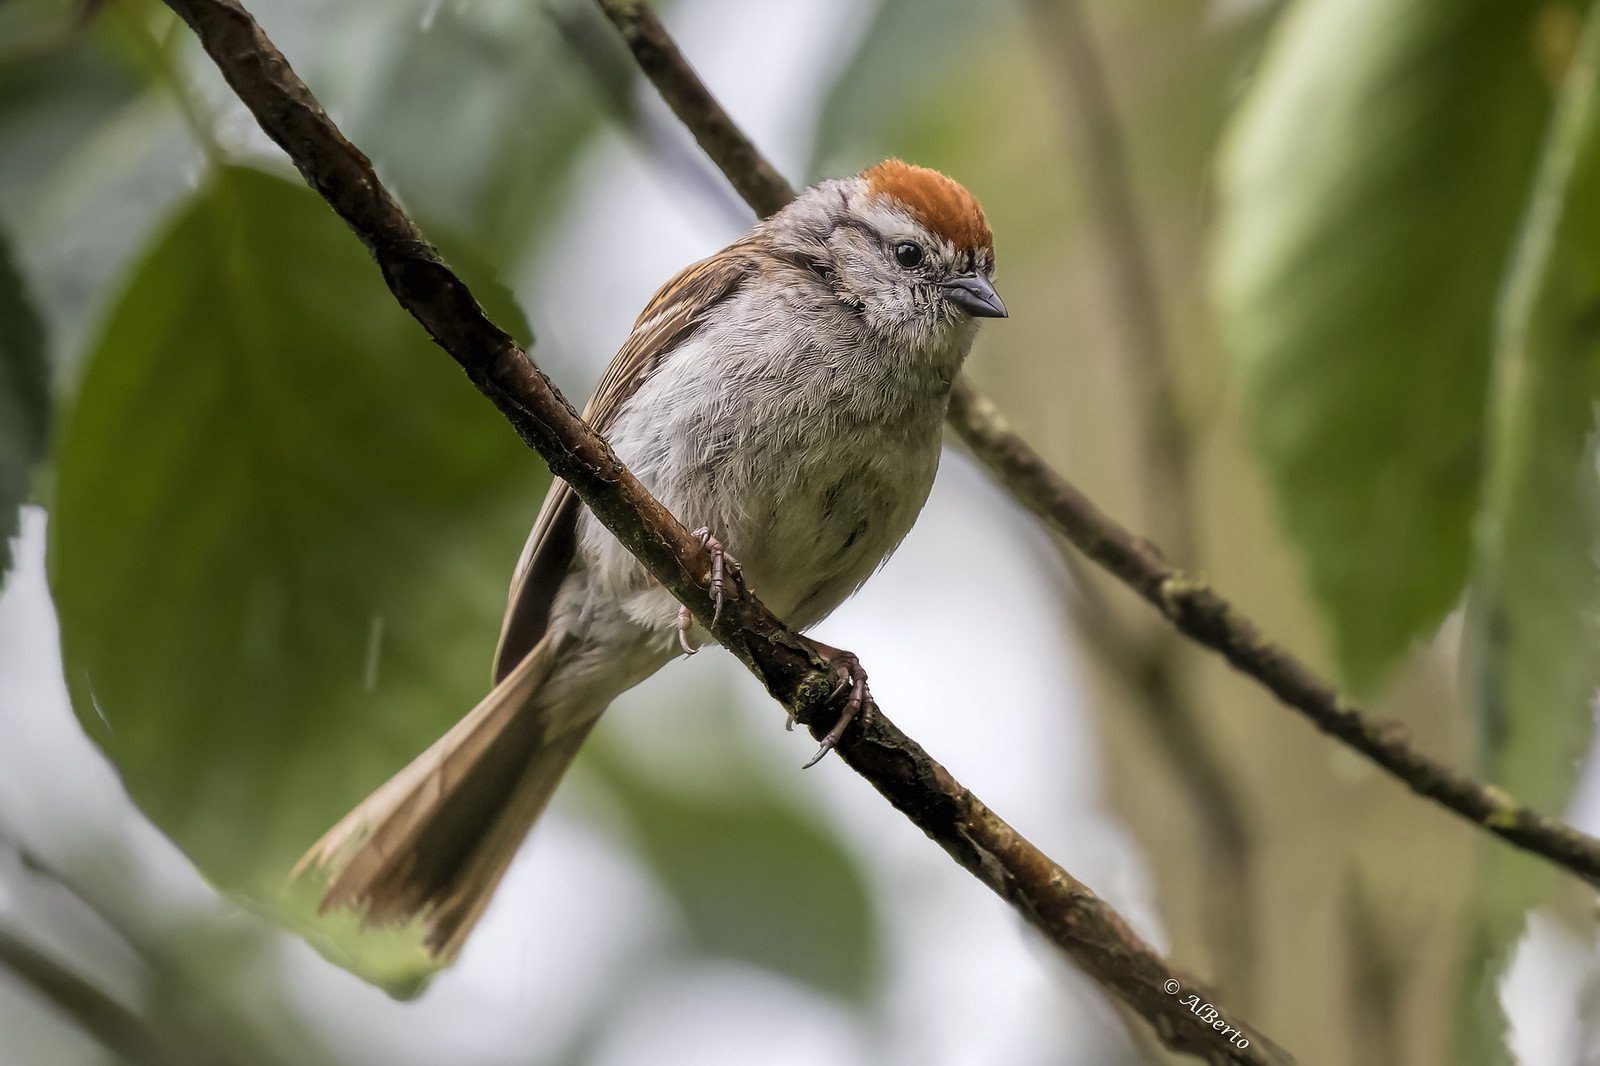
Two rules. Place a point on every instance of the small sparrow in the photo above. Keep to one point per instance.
(786, 395)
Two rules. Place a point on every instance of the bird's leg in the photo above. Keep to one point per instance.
(852, 678)
(725, 578)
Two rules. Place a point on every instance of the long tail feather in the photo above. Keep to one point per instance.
(435, 840)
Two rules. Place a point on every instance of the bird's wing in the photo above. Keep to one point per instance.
(670, 318)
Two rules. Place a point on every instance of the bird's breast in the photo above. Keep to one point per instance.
(809, 466)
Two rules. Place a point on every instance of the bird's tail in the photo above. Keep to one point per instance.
(434, 841)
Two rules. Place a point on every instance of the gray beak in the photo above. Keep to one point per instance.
(974, 295)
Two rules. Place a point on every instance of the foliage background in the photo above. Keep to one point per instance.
(1376, 252)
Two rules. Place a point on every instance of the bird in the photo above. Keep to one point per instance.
(785, 397)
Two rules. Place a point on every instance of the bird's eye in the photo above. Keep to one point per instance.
(908, 254)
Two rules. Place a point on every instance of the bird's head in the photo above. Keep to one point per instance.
(905, 246)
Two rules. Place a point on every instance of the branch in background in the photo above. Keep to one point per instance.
(1049, 898)
(132, 1037)
(115, 1026)
(1156, 668)
(1188, 602)
(1205, 617)
(755, 179)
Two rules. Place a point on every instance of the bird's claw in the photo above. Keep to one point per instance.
(723, 567)
(852, 678)
(685, 623)
(725, 578)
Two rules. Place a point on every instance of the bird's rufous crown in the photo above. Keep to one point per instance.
(936, 202)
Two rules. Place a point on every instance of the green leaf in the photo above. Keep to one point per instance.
(508, 102)
(1536, 597)
(50, 101)
(1534, 618)
(24, 398)
(881, 100)
(282, 527)
(755, 877)
(1369, 195)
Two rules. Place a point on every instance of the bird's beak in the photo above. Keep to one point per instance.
(975, 295)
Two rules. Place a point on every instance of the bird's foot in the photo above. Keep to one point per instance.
(852, 679)
(725, 580)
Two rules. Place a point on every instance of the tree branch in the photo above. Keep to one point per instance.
(116, 1027)
(1205, 617)
(1191, 606)
(1054, 902)
(724, 143)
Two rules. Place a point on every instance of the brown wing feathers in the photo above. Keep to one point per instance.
(670, 317)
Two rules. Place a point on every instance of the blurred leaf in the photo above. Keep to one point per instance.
(756, 878)
(282, 527)
(505, 103)
(1537, 591)
(93, 151)
(51, 97)
(880, 98)
(98, 212)
(1369, 196)
(1535, 603)
(24, 398)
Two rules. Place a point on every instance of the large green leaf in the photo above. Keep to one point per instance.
(1369, 195)
(1535, 602)
(281, 531)
(24, 398)
(1537, 591)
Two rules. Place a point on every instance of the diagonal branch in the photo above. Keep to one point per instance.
(1205, 617)
(1185, 601)
(114, 1025)
(135, 1038)
(1050, 899)
(755, 179)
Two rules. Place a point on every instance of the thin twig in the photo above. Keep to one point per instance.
(1208, 619)
(755, 179)
(1204, 616)
(1054, 902)
(118, 1028)
(208, 1033)
(1158, 671)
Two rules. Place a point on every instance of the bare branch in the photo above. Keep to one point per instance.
(1203, 616)
(114, 1025)
(121, 1029)
(1054, 902)
(755, 179)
